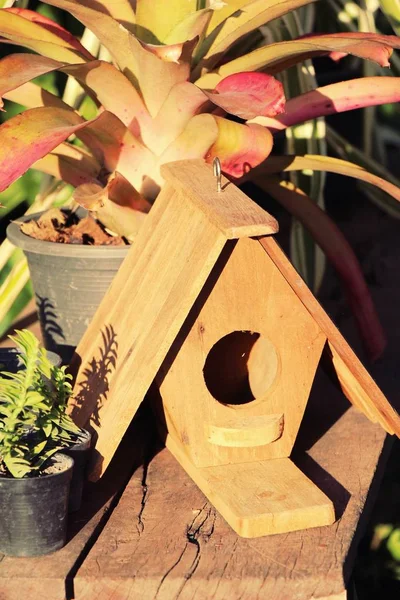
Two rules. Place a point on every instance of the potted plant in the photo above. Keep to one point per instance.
(35, 476)
(178, 87)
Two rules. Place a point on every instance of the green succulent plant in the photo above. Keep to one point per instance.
(186, 79)
(33, 400)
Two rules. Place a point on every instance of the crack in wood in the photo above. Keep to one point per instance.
(195, 530)
(176, 563)
(140, 524)
(145, 493)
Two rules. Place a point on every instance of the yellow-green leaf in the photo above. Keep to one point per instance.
(37, 37)
(276, 164)
(155, 19)
(236, 20)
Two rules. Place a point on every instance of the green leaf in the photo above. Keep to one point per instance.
(393, 544)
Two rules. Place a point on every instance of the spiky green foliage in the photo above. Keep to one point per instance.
(33, 422)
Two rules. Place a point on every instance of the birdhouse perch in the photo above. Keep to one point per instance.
(208, 309)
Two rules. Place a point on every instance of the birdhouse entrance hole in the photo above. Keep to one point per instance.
(240, 367)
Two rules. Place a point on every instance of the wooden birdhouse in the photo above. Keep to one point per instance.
(209, 313)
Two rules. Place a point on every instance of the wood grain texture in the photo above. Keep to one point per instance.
(260, 498)
(248, 338)
(165, 541)
(357, 384)
(140, 317)
(230, 210)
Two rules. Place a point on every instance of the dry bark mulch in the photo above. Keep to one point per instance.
(62, 227)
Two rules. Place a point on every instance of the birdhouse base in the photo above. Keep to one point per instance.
(260, 498)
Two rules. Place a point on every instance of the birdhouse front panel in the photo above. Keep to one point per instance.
(236, 381)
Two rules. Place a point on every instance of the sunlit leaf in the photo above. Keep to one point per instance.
(17, 69)
(182, 103)
(335, 98)
(70, 164)
(117, 149)
(30, 135)
(248, 95)
(193, 25)
(115, 36)
(154, 22)
(234, 21)
(194, 142)
(276, 164)
(35, 36)
(273, 58)
(104, 79)
(52, 26)
(240, 147)
(31, 95)
(157, 73)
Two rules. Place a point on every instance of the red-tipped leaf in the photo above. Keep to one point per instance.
(29, 136)
(239, 147)
(249, 94)
(17, 69)
(335, 98)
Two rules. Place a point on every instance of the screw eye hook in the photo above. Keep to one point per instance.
(217, 173)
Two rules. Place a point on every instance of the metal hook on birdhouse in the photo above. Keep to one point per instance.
(217, 172)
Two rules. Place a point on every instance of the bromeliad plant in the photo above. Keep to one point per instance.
(179, 86)
(33, 422)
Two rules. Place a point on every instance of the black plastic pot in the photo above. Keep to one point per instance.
(80, 453)
(33, 511)
(69, 281)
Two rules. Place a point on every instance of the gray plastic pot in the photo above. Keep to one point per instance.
(69, 281)
(33, 511)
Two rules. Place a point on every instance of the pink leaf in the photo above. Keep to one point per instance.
(17, 69)
(117, 148)
(29, 136)
(335, 98)
(249, 94)
(371, 46)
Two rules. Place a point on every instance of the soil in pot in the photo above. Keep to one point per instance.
(33, 510)
(63, 227)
